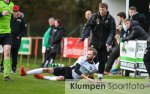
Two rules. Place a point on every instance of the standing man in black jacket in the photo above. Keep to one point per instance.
(17, 31)
(103, 27)
(136, 16)
(147, 53)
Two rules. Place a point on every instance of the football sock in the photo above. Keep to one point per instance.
(35, 71)
(50, 77)
(7, 68)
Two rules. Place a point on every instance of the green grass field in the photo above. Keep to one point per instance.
(31, 85)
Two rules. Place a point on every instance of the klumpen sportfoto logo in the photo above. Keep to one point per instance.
(107, 86)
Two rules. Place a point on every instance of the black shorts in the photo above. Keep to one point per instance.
(63, 71)
(5, 39)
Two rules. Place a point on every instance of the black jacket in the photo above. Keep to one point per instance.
(103, 30)
(140, 18)
(17, 27)
(136, 32)
(148, 40)
(57, 34)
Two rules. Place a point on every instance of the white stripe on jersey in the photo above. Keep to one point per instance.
(86, 67)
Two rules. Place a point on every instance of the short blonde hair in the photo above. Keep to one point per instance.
(126, 20)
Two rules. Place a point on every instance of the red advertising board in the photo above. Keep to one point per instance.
(72, 49)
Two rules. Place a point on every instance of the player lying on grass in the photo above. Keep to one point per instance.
(83, 66)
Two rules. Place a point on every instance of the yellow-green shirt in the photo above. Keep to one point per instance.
(5, 20)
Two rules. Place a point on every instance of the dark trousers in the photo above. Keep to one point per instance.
(147, 60)
(102, 59)
(47, 54)
(112, 57)
(1, 65)
(14, 54)
(49, 57)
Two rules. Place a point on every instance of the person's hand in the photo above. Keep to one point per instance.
(79, 42)
(87, 78)
(98, 81)
(90, 80)
(5, 12)
(109, 47)
(119, 27)
(117, 37)
(18, 37)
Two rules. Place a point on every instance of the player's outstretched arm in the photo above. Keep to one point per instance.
(87, 78)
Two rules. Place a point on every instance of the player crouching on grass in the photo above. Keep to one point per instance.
(82, 67)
